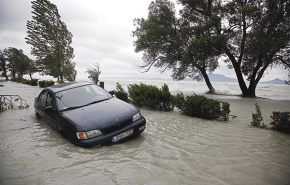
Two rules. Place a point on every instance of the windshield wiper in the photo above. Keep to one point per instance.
(96, 102)
(71, 108)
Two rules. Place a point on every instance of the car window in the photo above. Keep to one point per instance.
(80, 96)
(42, 98)
(46, 98)
(49, 100)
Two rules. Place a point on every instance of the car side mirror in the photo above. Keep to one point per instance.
(49, 109)
(112, 92)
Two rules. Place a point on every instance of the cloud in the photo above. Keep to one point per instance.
(102, 32)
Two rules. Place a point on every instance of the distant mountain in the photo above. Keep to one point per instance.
(221, 78)
(212, 77)
(275, 81)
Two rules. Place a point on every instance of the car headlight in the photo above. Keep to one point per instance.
(88, 134)
(137, 116)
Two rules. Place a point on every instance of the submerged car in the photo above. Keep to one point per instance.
(87, 114)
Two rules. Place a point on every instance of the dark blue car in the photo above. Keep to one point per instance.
(87, 114)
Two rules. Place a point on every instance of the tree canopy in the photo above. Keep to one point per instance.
(183, 44)
(18, 62)
(252, 35)
(256, 35)
(94, 73)
(50, 41)
(3, 66)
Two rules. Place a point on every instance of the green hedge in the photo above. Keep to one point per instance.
(121, 94)
(161, 99)
(33, 82)
(13, 79)
(45, 83)
(281, 121)
(202, 107)
(151, 97)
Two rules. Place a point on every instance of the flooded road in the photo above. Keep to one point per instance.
(174, 149)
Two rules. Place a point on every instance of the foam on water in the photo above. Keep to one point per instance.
(174, 149)
(275, 92)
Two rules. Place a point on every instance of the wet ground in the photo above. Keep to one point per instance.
(174, 149)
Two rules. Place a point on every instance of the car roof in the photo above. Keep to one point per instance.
(68, 85)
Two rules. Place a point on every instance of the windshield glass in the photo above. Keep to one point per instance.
(80, 96)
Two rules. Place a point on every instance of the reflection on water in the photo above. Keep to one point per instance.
(174, 149)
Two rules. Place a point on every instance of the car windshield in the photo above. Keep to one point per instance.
(80, 96)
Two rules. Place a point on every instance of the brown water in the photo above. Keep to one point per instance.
(174, 149)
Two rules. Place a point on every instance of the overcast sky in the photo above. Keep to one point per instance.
(102, 32)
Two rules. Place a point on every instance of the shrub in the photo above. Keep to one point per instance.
(258, 118)
(179, 101)
(60, 82)
(18, 80)
(28, 82)
(13, 79)
(33, 82)
(24, 81)
(150, 96)
(225, 111)
(121, 93)
(281, 121)
(49, 83)
(202, 107)
(210, 109)
(41, 84)
(45, 83)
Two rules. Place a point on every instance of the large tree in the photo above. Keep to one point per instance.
(50, 40)
(18, 62)
(3, 65)
(185, 44)
(257, 35)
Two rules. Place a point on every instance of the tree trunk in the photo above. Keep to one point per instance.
(61, 76)
(30, 75)
(208, 83)
(13, 73)
(247, 91)
(5, 73)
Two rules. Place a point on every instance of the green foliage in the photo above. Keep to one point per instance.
(121, 93)
(13, 79)
(60, 82)
(202, 107)
(41, 84)
(258, 118)
(254, 35)
(150, 96)
(281, 121)
(3, 65)
(225, 110)
(45, 83)
(94, 73)
(24, 81)
(50, 41)
(33, 82)
(49, 83)
(184, 44)
(18, 62)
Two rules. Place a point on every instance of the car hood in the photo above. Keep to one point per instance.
(100, 115)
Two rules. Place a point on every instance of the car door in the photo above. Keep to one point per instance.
(50, 115)
(41, 103)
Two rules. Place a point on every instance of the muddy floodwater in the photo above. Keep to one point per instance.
(174, 149)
